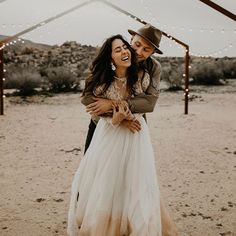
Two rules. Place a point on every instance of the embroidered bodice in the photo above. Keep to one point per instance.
(117, 90)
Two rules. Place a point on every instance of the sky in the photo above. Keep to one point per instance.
(206, 31)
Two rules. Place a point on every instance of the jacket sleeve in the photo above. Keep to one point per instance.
(87, 99)
(146, 102)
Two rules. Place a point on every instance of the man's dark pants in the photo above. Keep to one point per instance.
(92, 127)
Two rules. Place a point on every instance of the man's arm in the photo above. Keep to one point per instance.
(87, 99)
(146, 102)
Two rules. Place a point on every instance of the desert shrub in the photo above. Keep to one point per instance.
(208, 73)
(83, 68)
(27, 51)
(60, 79)
(228, 68)
(173, 76)
(24, 80)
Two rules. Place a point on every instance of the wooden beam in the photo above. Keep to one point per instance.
(220, 9)
(42, 23)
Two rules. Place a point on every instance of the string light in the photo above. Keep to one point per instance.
(211, 30)
(214, 53)
(153, 18)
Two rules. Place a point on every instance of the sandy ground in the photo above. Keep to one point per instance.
(42, 140)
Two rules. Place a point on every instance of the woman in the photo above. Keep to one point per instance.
(116, 179)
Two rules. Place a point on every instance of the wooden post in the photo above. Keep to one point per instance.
(186, 76)
(1, 82)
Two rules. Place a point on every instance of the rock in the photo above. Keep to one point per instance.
(58, 200)
(40, 199)
(226, 233)
(224, 209)
(184, 214)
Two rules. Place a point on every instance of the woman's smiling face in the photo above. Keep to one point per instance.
(121, 55)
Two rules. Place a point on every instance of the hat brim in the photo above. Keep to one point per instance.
(157, 50)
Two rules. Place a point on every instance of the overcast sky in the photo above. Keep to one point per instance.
(207, 31)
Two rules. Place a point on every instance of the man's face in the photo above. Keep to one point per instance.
(142, 47)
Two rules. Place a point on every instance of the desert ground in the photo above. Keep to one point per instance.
(42, 141)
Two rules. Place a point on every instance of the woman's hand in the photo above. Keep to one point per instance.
(131, 125)
(120, 113)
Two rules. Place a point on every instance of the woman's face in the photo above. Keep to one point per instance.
(121, 55)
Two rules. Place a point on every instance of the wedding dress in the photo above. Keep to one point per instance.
(116, 179)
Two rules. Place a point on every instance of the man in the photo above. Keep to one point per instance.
(145, 42)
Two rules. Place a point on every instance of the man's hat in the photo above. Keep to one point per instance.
(151, 34)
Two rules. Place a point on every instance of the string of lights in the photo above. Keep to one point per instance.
(154, 21)
(166, 27)
(184, 28)
(215, 53)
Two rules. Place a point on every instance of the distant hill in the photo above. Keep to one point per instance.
(29, 44)
(77, 58)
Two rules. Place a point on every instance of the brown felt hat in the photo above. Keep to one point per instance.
(151, 34)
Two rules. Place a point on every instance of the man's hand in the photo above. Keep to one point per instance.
(132, 125)
(99, 107)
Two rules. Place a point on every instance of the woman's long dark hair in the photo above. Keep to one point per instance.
(101, 72)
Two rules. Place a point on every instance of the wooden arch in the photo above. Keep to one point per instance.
(40, 24)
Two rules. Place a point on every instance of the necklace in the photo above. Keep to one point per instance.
(122, 79)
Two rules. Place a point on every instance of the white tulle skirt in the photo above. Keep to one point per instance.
(117, 185)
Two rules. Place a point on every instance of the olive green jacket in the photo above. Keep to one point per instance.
(145, 102)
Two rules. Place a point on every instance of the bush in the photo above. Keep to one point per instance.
(27, 51)
(25, 80)
(60, 79)
(229, 68)
(173, 76)
(208, 73)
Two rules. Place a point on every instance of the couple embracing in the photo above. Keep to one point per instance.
(115, 190)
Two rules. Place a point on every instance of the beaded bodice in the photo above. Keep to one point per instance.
(117, 90)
